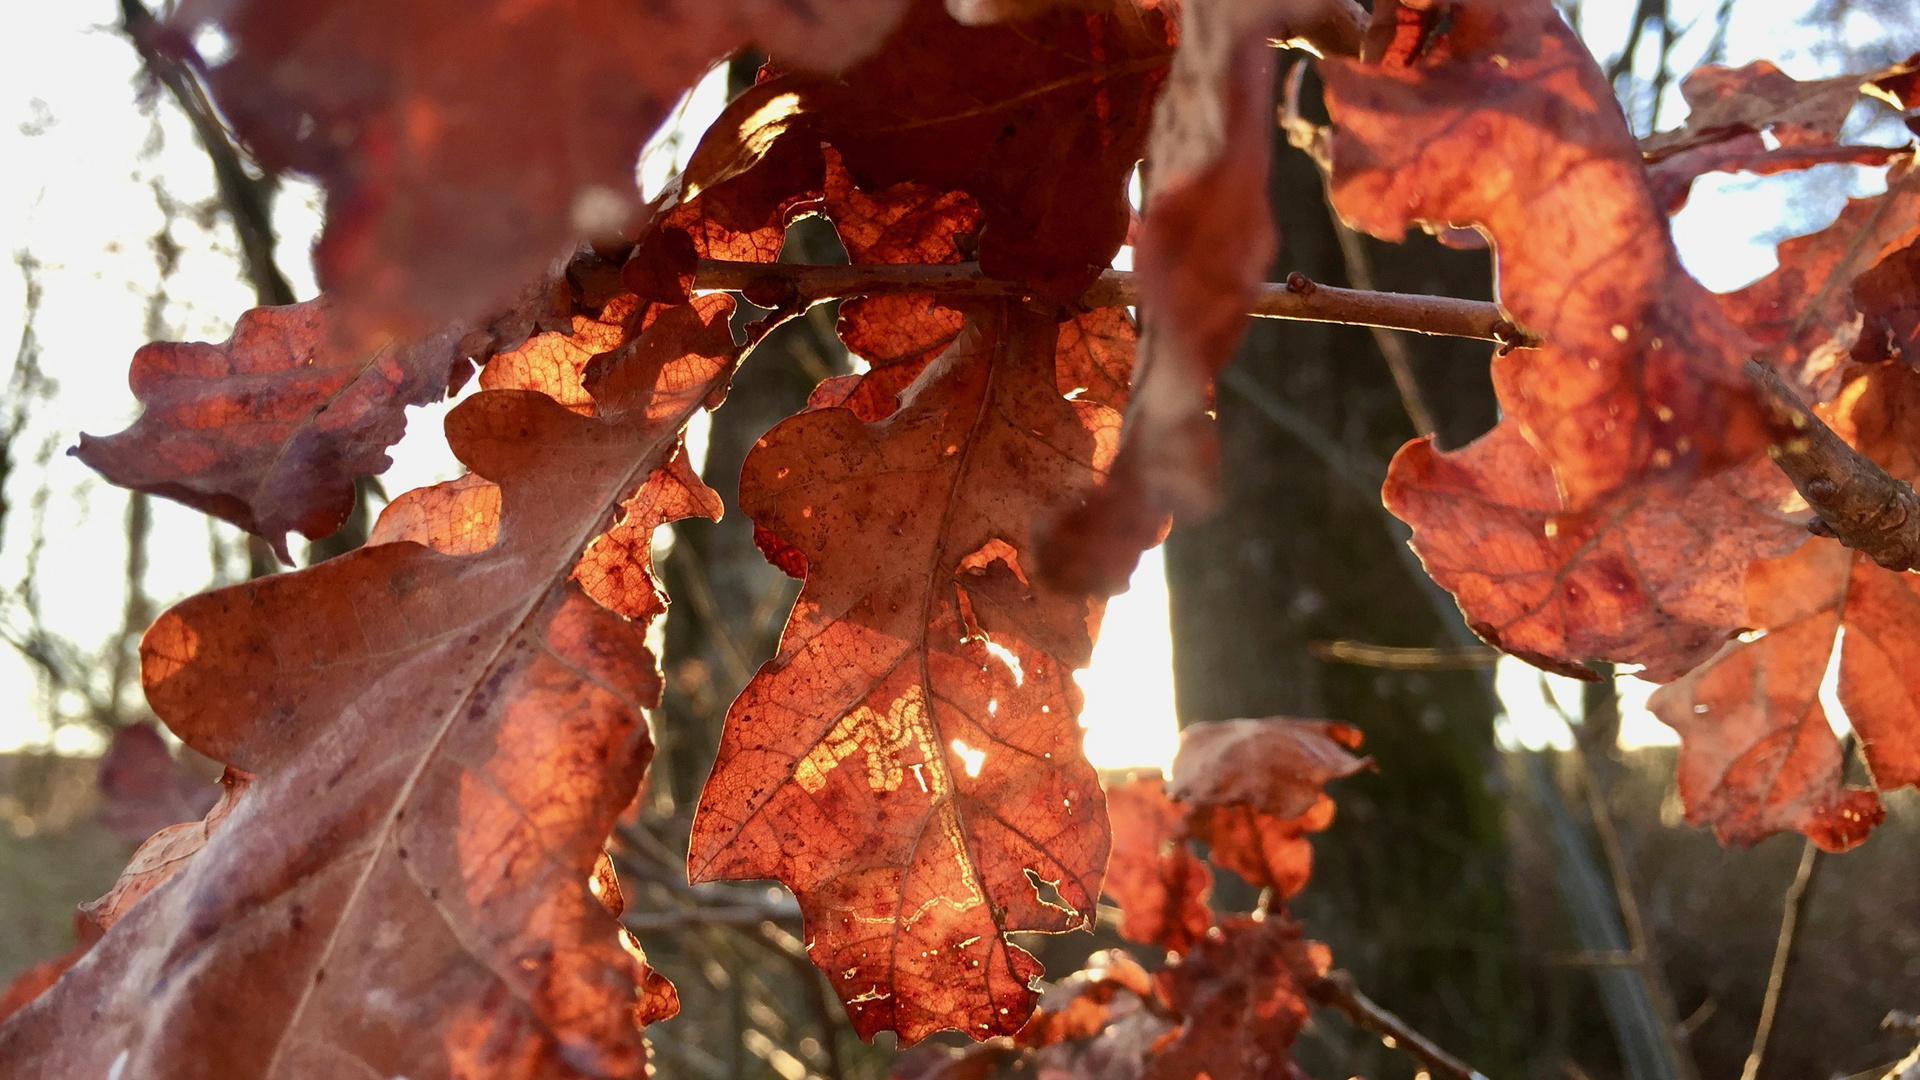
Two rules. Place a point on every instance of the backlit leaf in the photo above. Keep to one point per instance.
(909, 762)
(440, 744)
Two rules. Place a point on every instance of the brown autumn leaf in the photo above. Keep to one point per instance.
(909, 762)
(909, 222)
(463, 150)
(1159, 884)
(269, 429)
(1205, 244)
(1254, 789)
(1803, 314)
(1240, 991)
(1269, 852)
(1040, 122)
(1119, 1052)
(1756, 119)
(1725, 103)
(27, 986)
(163, 854)
(1757, 755)
(932, 1061)
(1277, 765)
(1672, 177)
(757, 169)
(554, 362)
(1898, 84)
(1652, 575)
(1083, 1004)
(440, 744)
(1495, 116)
(1888, 299)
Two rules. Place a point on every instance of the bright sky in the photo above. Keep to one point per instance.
(80, 198)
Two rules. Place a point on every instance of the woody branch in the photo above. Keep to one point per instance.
(1855, 500)
(1336, 989)
(790, 286)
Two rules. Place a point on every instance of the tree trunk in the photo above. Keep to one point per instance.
(1409, 884)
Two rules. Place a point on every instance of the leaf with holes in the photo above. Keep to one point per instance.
(909, 762)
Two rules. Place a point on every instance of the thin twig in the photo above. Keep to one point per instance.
(1592, 959)
(1393, 349)
(1639, 944)
(1782, 957)
(248, 200)
(791, 286)
(789, 949)
(1336, 989)
(1404, 658)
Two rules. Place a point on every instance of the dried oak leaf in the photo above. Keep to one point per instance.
(1159, 884)
(269, 429)
(1253, 790)
(1100, 1023)
(163, 854)
(1084, 1003)
(1651, 575)
(1204, 247)
(1671, 178)
(1241, 992)
(900, 335)
(1501, 120)
(440, 744)
(1119, 1052)
(909, 222)
(1041, 122)
(1888, 299)
(1898, 84)
(1735, 111)
(1726, 102)
(464, 149)
(755, 171)
(554, 362)
(1277, 765)
(932, 1061)
(1757, 755)
(1269, 852)
(909, 762)
(1804, 314)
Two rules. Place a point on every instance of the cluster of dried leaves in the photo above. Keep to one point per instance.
(428, 740)
(1232, 994)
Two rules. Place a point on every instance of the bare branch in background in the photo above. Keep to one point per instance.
(1336, 990)
(1782, 956)
(248, 199)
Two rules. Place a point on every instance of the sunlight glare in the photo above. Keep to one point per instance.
(1129, 715)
